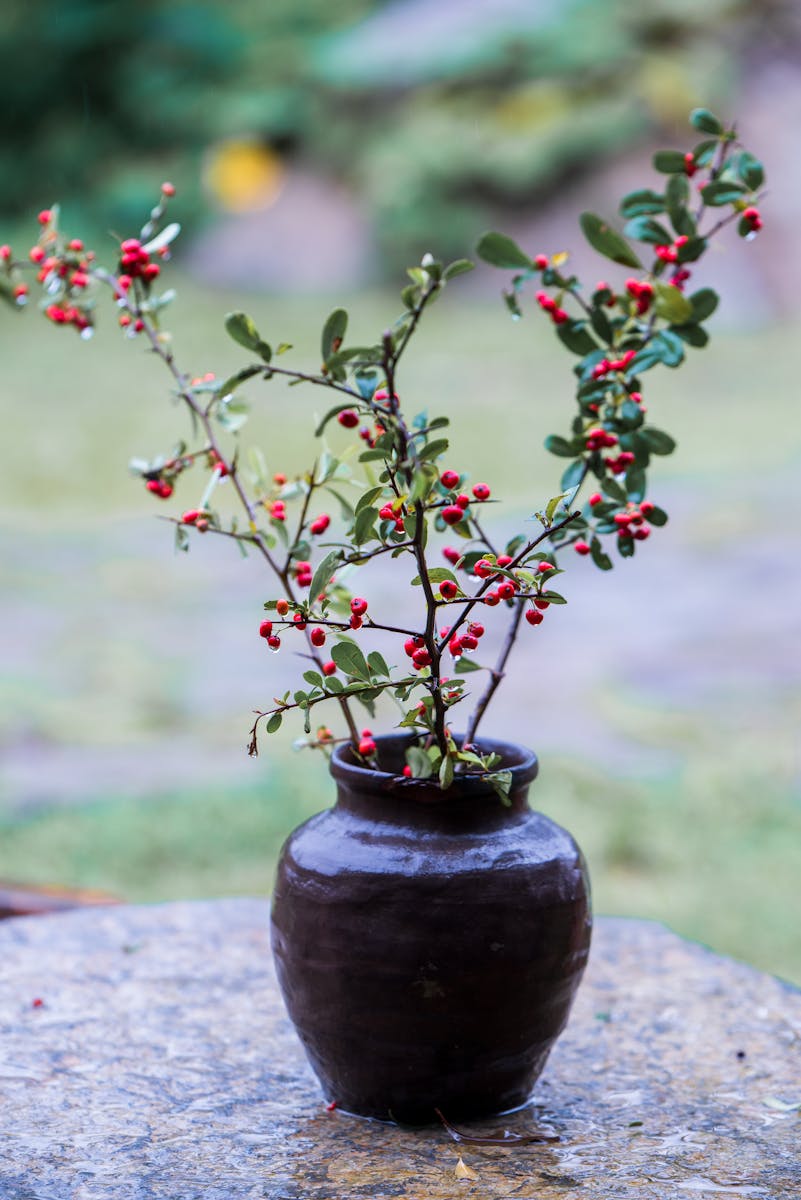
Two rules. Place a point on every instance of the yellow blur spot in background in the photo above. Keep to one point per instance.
(243, 175)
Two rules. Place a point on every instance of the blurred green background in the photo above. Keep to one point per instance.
(315, 154)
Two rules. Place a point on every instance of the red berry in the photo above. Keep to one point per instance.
(20, 290)
(407, 771)
(265, 629)
(298, 621)
(5, 253)
(348, 419)
(533, 617)
(36, 254)
(491, 598)
(506, 590)
(45, 217)
(690, 166)
(37, 1002)
(595, 498)
(358, 606)
(410, 645)
(545, 566)
(282, 607)
(455, 646)
(647, 507)
(451, 555)
(273, 642)
(483, 569)
(168, 189)
(452, 514)
(481, 491)
(581, 548)
(448, 589)
(469, 641)
(329, 668)
(503, 560)
(190, 516)
(450, 479)
(541, 262)
(355, 622)
(320, 524)
(462, 501)
(476, 628)
(367, 747)
(540, 603)
(317, 636)
(559, 316)
(421, 658)
(641, 534)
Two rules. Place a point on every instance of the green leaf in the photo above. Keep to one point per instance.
(436, 575)
(459, 267)
(501, 251)
(366, 499)
(646, 229)
(750, 171)
(693, 335)
(625, 547)
(465, 666)
(657, 516)
(168, 234)
(274, 723)
(677, 194)
(364, 526)
(635, 483)
(669, 162)
(658, 442)
(349, 658)
(574, 335)
(704, 302)
(614, 491)
(333, 332)
(600, 559)
(705, 121)
(322, 576)
(313, 678)
(601, 324)
(722, 191)
(641, 203)
(501, 782)
(420, 763)
(607, 241)
(434, 449)
(233, 381)
(377, 664)
(240, 327)
(446, 772)
(692, 250)
(664, 347)
(671, 304)
(559, 446)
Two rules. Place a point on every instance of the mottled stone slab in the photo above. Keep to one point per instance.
(160, 1066)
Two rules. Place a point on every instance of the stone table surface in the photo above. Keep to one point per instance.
(145, 1055)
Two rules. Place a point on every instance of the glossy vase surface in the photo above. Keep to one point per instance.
(429, 944)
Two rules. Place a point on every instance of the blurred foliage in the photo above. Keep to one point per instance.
(434, 111)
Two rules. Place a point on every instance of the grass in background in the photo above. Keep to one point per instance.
(714, 853)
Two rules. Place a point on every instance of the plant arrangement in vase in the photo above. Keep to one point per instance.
(432, 833)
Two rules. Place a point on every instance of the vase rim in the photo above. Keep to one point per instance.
(521, 761)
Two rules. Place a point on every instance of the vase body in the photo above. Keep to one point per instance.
(428, 944)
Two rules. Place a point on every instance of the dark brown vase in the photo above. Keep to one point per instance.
(428, 944)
